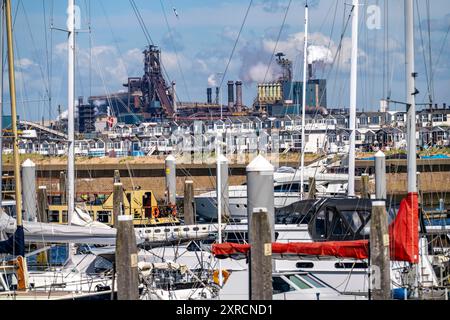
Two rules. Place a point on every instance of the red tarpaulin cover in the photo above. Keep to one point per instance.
(342, 249)
(403, 233)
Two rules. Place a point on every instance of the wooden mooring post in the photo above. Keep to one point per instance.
(260, 256)
(312, 188)
(365, 191)
(42, 204)
(117, 202)
(188, 203)
(126, 263)
(62, 186)
(380, 266)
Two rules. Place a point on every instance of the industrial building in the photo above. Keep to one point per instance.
(284, 96)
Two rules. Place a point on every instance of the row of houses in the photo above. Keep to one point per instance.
(316, 140)
(365, 120)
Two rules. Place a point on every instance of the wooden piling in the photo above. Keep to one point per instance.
(42, 204)
(365, 191)
(116, 176)
(312, 188)
(188, 202)
(126, 260)
(260, 256)
(117, 202)
(380, 266)
(62, 186)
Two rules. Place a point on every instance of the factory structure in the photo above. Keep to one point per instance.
(151, 98)
(284, 96)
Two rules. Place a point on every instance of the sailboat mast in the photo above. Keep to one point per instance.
(305, 65)
(71, 113)
(12, 91)
(353, 93)
(410, 95)
(2, 22)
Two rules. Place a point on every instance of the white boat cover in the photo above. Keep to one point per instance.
(38, 232)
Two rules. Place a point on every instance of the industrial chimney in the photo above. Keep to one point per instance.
(238, 96)
(209, 95)
(310, 71)
(230, 95)
(174, 96)
(217, 95)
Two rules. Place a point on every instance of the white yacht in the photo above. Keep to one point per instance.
(286, 190)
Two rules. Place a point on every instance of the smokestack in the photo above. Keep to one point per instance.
(80, 100)
(209, 95)
(174, 96)
(238, 96)
(444, 106)
(217, 95)
(310, 71)
(230, 95)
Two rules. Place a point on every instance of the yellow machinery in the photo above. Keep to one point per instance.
(141, 204)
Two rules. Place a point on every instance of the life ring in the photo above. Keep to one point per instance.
(155, 212)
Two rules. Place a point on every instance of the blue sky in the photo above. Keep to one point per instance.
(202, 38)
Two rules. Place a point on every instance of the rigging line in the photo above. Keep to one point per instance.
(47, 57)
(141, 22)
(113, 34)
(175, 49)
(331, 31)
(35, 48)
(443, 45)
(278, 39)
(146, 32)
(236, 42)
(430, 99)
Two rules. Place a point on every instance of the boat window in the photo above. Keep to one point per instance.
(193, 246)
(237, 237)
(292, 187)
(185, 229)
(102, 216)
(299, 282)
(311, 280)
(157, 230)
(196, 228)
(53, 216)
(351, 265)
(64, 216)
(353, 219)
(166, 230)
(321, 225)
(304, 265)
(339, 229)
(279, 285)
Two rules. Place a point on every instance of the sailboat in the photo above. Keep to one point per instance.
(338, 229)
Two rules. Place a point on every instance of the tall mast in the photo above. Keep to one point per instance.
(353, 92)
(305, 65)
(410, 95)
(2, 22)
(71, 113)
(12, 91)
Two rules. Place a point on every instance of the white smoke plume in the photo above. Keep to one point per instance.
(319, 54)
(212, 82)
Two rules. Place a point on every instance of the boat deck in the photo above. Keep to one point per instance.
(54, 295)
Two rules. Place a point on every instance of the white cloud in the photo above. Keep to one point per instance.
(25, 63)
